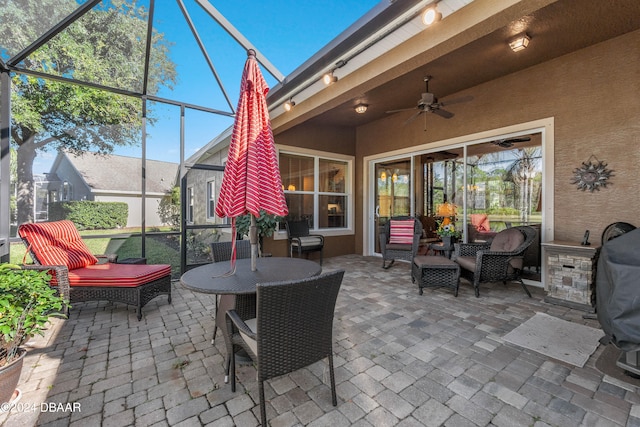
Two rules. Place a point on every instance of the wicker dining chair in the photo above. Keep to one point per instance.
(498, 260)
(221, 251)
(300, 239)
(293, 329)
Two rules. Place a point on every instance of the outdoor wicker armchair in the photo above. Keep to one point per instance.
(293, 329)
(499, 260)
(301, 241)
(221, 251)
(400, 239)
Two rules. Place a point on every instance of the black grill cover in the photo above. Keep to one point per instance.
(618, 290)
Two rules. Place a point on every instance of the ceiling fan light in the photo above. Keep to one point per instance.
(361, 108)
(520, 42)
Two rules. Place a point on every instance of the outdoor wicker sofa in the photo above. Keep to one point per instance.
(57, 246)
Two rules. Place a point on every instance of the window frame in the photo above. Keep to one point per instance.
(190, 204)
(349, 182)
(210, 195)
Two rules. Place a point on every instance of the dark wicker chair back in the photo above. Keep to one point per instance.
(294, 328)
(221, 251)
(391, 251)
(487, 265)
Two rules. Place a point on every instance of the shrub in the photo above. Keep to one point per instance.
(26, 302)
(89, 215)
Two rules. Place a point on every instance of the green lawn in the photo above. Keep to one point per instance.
(160, 249)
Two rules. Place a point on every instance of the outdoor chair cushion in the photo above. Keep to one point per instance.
(401, 232)
(507, 241)
(251, 342)
(307, 241)
(467, 262)
(57, 243)
(119, 275)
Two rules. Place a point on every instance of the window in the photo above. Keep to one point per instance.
(317, 188)
(190, 204)
(211, 199)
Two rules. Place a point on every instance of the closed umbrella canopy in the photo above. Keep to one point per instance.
(251, 180)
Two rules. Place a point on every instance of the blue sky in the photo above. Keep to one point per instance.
(286, 32)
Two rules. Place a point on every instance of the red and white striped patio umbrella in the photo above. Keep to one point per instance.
(251, 180)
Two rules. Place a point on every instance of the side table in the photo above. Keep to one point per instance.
(435, 271)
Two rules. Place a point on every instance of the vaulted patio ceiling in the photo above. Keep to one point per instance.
(466, 49)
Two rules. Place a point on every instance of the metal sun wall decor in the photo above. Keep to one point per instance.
(591, 175)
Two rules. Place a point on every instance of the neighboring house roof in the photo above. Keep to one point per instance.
(216, 144)
(115, 173)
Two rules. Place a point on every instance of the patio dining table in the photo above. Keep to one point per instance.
(239, 290)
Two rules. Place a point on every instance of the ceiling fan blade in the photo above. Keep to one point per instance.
(523, 139)
(508, 142)
(456, 100)
(412, 118)
(443, 113)
(401, 109)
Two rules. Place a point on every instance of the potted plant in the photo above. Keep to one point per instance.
(448, 232)
(266, 223)
(26, 302)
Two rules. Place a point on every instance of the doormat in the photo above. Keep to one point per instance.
(566, 341)
(606, 364)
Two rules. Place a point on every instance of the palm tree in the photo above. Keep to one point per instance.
(522, 173)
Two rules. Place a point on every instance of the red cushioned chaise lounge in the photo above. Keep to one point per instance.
(80, 277)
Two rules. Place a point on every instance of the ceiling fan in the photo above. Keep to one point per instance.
(508, 142)
(428, 103)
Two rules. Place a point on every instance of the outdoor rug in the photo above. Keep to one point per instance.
(566, 341)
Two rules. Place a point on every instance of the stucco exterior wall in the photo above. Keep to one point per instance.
(591, 94)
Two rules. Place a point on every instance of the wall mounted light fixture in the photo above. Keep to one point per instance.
(431, 16)
(288, 106)
(520, 42)
(361, 108)
(329, 78)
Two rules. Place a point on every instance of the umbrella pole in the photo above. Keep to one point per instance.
(253, 237)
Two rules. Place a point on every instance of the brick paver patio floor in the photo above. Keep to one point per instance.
(401, 359)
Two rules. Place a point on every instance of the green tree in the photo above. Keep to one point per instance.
(105, 46)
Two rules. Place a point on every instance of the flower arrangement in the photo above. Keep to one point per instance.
(446, 228)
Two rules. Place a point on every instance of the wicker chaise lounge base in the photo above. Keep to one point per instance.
(58, 248)
(137, 296)
(109, 288)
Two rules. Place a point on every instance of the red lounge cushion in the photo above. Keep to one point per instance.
(57, 243)
(401, 231)
(119, 275)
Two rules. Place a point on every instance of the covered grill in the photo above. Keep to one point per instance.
(618, 296)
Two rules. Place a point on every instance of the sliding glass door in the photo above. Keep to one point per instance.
(498, 184)
(392, 192)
